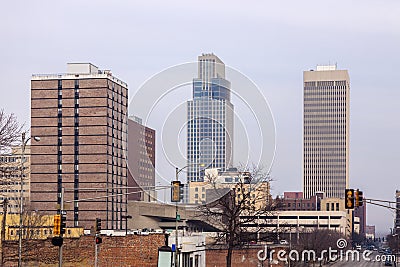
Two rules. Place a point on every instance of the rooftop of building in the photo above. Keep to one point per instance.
(326, 67)
(79, 71)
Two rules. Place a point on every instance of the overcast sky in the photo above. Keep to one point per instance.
(272, 42)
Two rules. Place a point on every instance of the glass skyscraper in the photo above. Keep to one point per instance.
(210, 119)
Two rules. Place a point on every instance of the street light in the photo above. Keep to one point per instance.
(177, 171)
(21, 195)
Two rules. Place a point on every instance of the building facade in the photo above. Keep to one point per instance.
(361, 212)
(81, 118)
(141, 161)
(370, 232)
(209, 119)
(326, 131)
(10, 179)
(296, 201)
(304, 222)
(217, 184)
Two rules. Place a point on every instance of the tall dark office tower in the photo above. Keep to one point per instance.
(141, 161)
(210, 119)
(81, 118)
(326, 131)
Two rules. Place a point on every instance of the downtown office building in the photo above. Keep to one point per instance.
(81, 118)
(209, 120)
(326, 132)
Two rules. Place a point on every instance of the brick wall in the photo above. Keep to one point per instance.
(240, 258)
(133, 251)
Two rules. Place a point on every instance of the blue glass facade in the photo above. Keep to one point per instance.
(210, 123)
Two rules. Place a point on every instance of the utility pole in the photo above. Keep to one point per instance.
(21, 199)
(176, 223)
(61, 211)
(3, 228)
(21, 194)
(95, 251)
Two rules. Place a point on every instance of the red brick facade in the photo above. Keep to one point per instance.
(133, 251)
(82, 122)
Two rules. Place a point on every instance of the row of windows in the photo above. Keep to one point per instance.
(341, 137)
(325, 116)
(336, 112)
(11, 190)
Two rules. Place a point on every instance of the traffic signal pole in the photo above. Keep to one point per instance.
(95, 251)
(60, 247)
(176, 222)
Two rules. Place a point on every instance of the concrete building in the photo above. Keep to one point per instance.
(35, 227)
(210, 119)
(326, 131)
(294, 201)
(153, 215)
(10, 178)
(332, 204)
(218, 183)
(81, 118)
(141, 161)
(192, 249)
(303, 222)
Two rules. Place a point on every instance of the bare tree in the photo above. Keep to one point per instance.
(317, 240)
(236, 209)
(10, 130)
(35, 226)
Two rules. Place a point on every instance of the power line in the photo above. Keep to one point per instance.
(107, 196)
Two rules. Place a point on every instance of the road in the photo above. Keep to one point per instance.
(363, 262)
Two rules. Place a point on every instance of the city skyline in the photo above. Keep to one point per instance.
(271, 43)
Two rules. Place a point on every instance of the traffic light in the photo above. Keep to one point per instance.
(98, 225)
(57, 224)
(98, 240)
(358, 197)
(63, 224)
(57, 241)
(175, 191)
(356, 200)
(349, 200)
(181, 191)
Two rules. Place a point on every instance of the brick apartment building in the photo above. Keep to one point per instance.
(141, 161)
(81, 118)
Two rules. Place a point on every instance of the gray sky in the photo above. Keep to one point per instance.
(270, 42)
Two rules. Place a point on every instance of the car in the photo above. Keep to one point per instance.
(283, 242)
(388, 262)
(358, 247)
